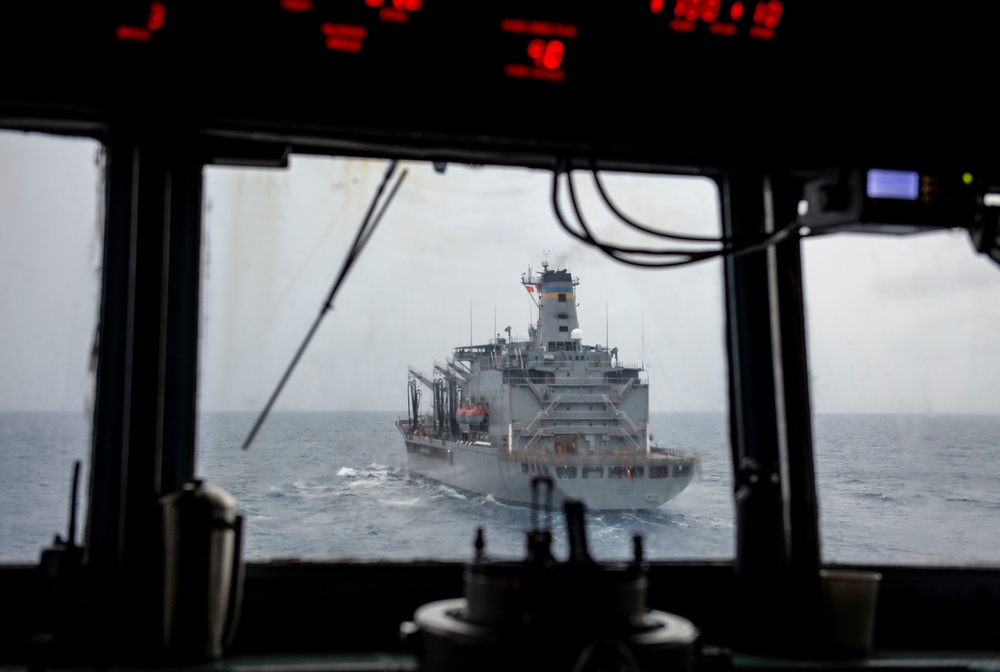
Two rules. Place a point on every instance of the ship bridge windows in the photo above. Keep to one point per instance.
(625, 472)
(562, 298)
(565, 472)
(659, 471)
(592, 472)
(563, 328)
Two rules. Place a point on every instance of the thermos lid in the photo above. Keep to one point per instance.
(197, 495)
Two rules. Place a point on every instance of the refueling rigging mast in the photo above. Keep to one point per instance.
(788, 104)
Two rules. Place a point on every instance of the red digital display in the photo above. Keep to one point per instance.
(546, 54)
(722, 17)
(545, 51)
(155, 18)
(766, 18)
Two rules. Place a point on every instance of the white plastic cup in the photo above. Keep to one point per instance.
(849, 602)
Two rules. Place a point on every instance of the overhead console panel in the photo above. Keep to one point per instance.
(704, 83)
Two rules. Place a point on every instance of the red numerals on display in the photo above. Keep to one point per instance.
(546, 48)
(155, 18)
(546, 55)
(768, 14)
(766, 17)
(692, 10)
(720, 18)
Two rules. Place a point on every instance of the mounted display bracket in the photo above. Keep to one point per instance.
(875, 200)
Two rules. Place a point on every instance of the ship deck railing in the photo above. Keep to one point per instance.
(616, 458)
(597, 415)
(585, 381)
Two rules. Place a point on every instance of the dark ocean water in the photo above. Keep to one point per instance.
(893, 489)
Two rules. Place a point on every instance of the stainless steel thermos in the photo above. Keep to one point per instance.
(202, 571)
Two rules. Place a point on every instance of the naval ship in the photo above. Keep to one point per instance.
(510, 410)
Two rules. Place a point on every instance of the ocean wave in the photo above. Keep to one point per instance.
(311, 490)
(400, 502)
(877, 495)
(450, 492)
(372, 476)
(974, 501)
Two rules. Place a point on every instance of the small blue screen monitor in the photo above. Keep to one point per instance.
(902, 185)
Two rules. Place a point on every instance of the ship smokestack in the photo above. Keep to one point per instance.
(557, 310)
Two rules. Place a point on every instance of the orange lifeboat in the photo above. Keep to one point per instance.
(475, 414)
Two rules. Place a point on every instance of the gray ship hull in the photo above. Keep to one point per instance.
(612, 482)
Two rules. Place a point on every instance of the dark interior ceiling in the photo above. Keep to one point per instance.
(818, 84)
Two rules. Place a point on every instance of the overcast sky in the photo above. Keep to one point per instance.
(895, 325)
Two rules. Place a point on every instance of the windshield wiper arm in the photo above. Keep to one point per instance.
(368, 225)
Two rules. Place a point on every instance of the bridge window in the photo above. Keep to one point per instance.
(908, 409)
(49, 295)
(249, 318)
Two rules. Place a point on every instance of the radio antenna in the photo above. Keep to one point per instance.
(368, 225)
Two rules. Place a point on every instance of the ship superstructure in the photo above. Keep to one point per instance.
(506, 411)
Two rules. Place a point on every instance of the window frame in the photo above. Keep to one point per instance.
(144, 423)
